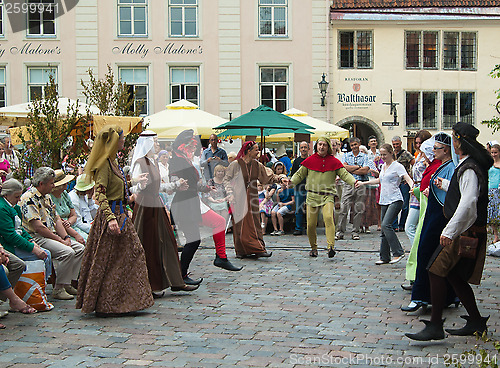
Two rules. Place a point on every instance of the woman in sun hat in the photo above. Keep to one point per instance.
(84, 205)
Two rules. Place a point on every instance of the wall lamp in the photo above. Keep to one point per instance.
(323, 87)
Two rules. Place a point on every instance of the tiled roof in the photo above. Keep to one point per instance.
(357, 4)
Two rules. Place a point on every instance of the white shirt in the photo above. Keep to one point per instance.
(390, 178)
(85, 209)
(137, 171)
(466, 212)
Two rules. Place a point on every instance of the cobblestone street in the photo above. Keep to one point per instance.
(289, 310)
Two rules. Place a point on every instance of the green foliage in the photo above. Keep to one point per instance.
(484, 354)
(112, 98)
(49, 131)
(494, 123)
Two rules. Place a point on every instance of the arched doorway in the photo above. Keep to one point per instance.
(362, 128)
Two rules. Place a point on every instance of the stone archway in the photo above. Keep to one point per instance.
(363, 128)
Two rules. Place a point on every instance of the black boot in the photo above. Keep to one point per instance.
(470, 327)
(225, 264)
(189, 281)
(331, 253)
(432, 331)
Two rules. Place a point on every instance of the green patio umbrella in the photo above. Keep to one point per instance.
(262, 118)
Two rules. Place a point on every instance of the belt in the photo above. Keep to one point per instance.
(122, 211)
(321, 193)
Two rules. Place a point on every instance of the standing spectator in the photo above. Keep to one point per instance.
(266, 203)
(466, 208)
(282, 156)
(356, 163)
(320, 171)
(168, 195)
(406, 159)
(494, 192)
(4, 164)
(217, 198)
(390, 202)
(372, 213)
(46, 228)
(211, 157)
(300, 189)
(11, 154)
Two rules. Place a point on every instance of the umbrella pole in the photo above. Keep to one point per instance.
(262, 145)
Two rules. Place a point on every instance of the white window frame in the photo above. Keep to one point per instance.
(183, 86)
(275, 84)
(265, 4)
(44, 83)
(132, 5)
(183, 8)
(135, 85)
(42, 34)
(2, 20)
(355, 49)
(3, 85)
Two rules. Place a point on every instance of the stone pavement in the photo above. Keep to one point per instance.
(286, 311)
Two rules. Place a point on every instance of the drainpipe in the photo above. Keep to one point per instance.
(327, 59)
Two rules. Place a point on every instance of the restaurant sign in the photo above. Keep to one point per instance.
(354, 99)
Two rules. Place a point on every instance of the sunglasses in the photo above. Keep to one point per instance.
(437, 148)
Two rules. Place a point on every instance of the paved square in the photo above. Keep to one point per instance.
(289, 310)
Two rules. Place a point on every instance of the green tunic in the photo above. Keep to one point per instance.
(321, 186)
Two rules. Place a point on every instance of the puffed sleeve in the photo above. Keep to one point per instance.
(101, 179)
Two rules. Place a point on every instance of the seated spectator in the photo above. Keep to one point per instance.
(217, 199)
(46, 228)
(266, 203)
(84, 205)
(286, 200)
(13, 237)
(16, 303)
(64, 206)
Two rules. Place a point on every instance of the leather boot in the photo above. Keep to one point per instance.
(432, 331)
(264, 254)
(189, 281)
(225, 264)
(471, 327)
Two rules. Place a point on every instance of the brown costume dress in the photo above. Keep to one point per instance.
(241, 181)
(155, 231)
(113, 275)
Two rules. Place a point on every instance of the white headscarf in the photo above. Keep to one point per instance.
(426, 148)
(144, 147)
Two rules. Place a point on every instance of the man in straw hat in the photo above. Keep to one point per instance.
(47, 229)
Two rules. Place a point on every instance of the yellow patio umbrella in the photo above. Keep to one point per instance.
(182, 115)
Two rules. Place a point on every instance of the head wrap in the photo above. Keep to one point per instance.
(105, 147)
(247, 146)
(426, 149)
(442, 138)
(162, 153)
(144, 146)
(184, 137)
(466, 135)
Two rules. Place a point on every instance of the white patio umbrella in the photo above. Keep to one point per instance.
(182, 115)
(17, 115)
(321, 128)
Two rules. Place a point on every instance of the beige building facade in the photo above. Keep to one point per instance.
(230, 56)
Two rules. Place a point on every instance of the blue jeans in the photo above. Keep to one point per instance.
(411, 223)
(389, 241)
(28, 256)
(300, 199)
(405, 191)
(4, 281)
